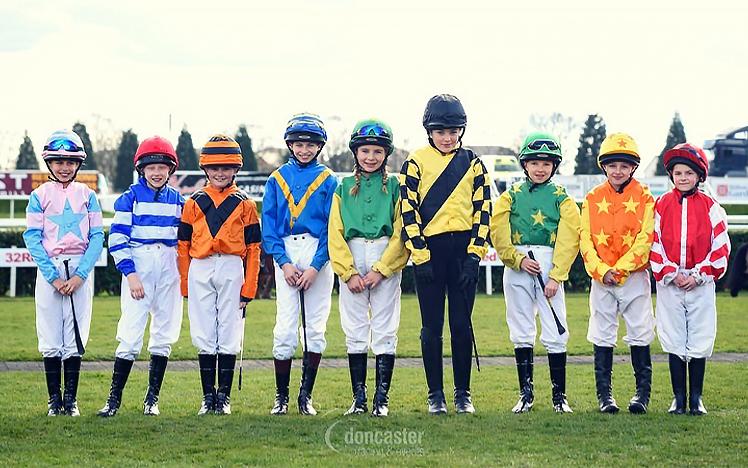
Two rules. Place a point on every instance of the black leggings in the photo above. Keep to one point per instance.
(448, 253)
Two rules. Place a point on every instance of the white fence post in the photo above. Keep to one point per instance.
(12, 289)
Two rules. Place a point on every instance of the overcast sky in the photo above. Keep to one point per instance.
(214, 65)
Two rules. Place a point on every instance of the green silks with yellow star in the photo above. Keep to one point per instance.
(535, 215)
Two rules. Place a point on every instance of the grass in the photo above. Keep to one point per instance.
(18, 335)
(492, 437)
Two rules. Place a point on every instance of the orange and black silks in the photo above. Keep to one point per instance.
(216, 221)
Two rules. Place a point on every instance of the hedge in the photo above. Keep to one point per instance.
(108, 279)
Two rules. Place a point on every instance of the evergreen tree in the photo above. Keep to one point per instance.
(81, 131)
(125, 166)
(676, 135)
(248, 154)
(590, 139)
(186, 152)
(26, 155)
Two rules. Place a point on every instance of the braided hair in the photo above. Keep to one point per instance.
(357, 174)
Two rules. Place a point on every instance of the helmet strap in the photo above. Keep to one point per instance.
(52, 177)
(688, 193)
(534, 185)
(628, 181)
(301, 164)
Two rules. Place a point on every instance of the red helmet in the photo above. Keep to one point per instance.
(690, 155)
(156, 150)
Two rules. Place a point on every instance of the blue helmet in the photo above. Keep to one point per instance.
(305, 127)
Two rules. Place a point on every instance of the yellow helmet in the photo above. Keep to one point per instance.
(618, 147)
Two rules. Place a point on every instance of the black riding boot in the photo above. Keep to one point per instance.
(431, 350)
(604, 379)
(678, 381)
(696, 370)
(557, 366)
(156, 371)
(309, 369)
(208, 381)
(120, 374)
(641, 361)
(462, 363)
(357, 367)
(53, 376)
(72, 367)
(385, 366)
(524, 360)
(282, 379)
(226, 364)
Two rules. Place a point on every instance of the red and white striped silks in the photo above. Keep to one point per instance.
(690, 237)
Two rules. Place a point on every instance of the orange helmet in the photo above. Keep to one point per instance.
(221, 150)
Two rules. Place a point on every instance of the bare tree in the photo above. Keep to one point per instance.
(336, 154)
(106, 141)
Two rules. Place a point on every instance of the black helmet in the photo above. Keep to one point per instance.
(444, 111)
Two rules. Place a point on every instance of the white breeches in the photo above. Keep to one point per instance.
(525, 299)
(54, 312)
(632, 301)
(317, 300)
(156, 266)
(687, 320)
(214, 294)
(377, 329)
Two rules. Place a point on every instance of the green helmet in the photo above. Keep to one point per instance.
(540, 146)
(371, 132)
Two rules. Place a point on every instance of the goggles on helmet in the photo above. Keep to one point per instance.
(537, 145)
(62, 144)
(373, 130)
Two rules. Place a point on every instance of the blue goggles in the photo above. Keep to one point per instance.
(62, 144)
(536, 145)
(373, 130)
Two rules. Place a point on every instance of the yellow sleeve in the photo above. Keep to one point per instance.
(501, 233)
(567, 241)
(341, 257)
(637, 256)
(594, 265)
(395, 256)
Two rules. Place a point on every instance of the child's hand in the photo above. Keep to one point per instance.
(551, 287)
(688, 283)
(530, 266)
(136, 286)
(610, 278)
(356, 284)
(72, 284)
(307, 278)
(680, 278)
(291, 274)
(58, 285)
(372, 279)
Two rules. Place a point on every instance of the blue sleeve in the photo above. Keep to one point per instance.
(322, 255)
(95, 241)
(32, 237)
(119, 233)
(272, 244)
